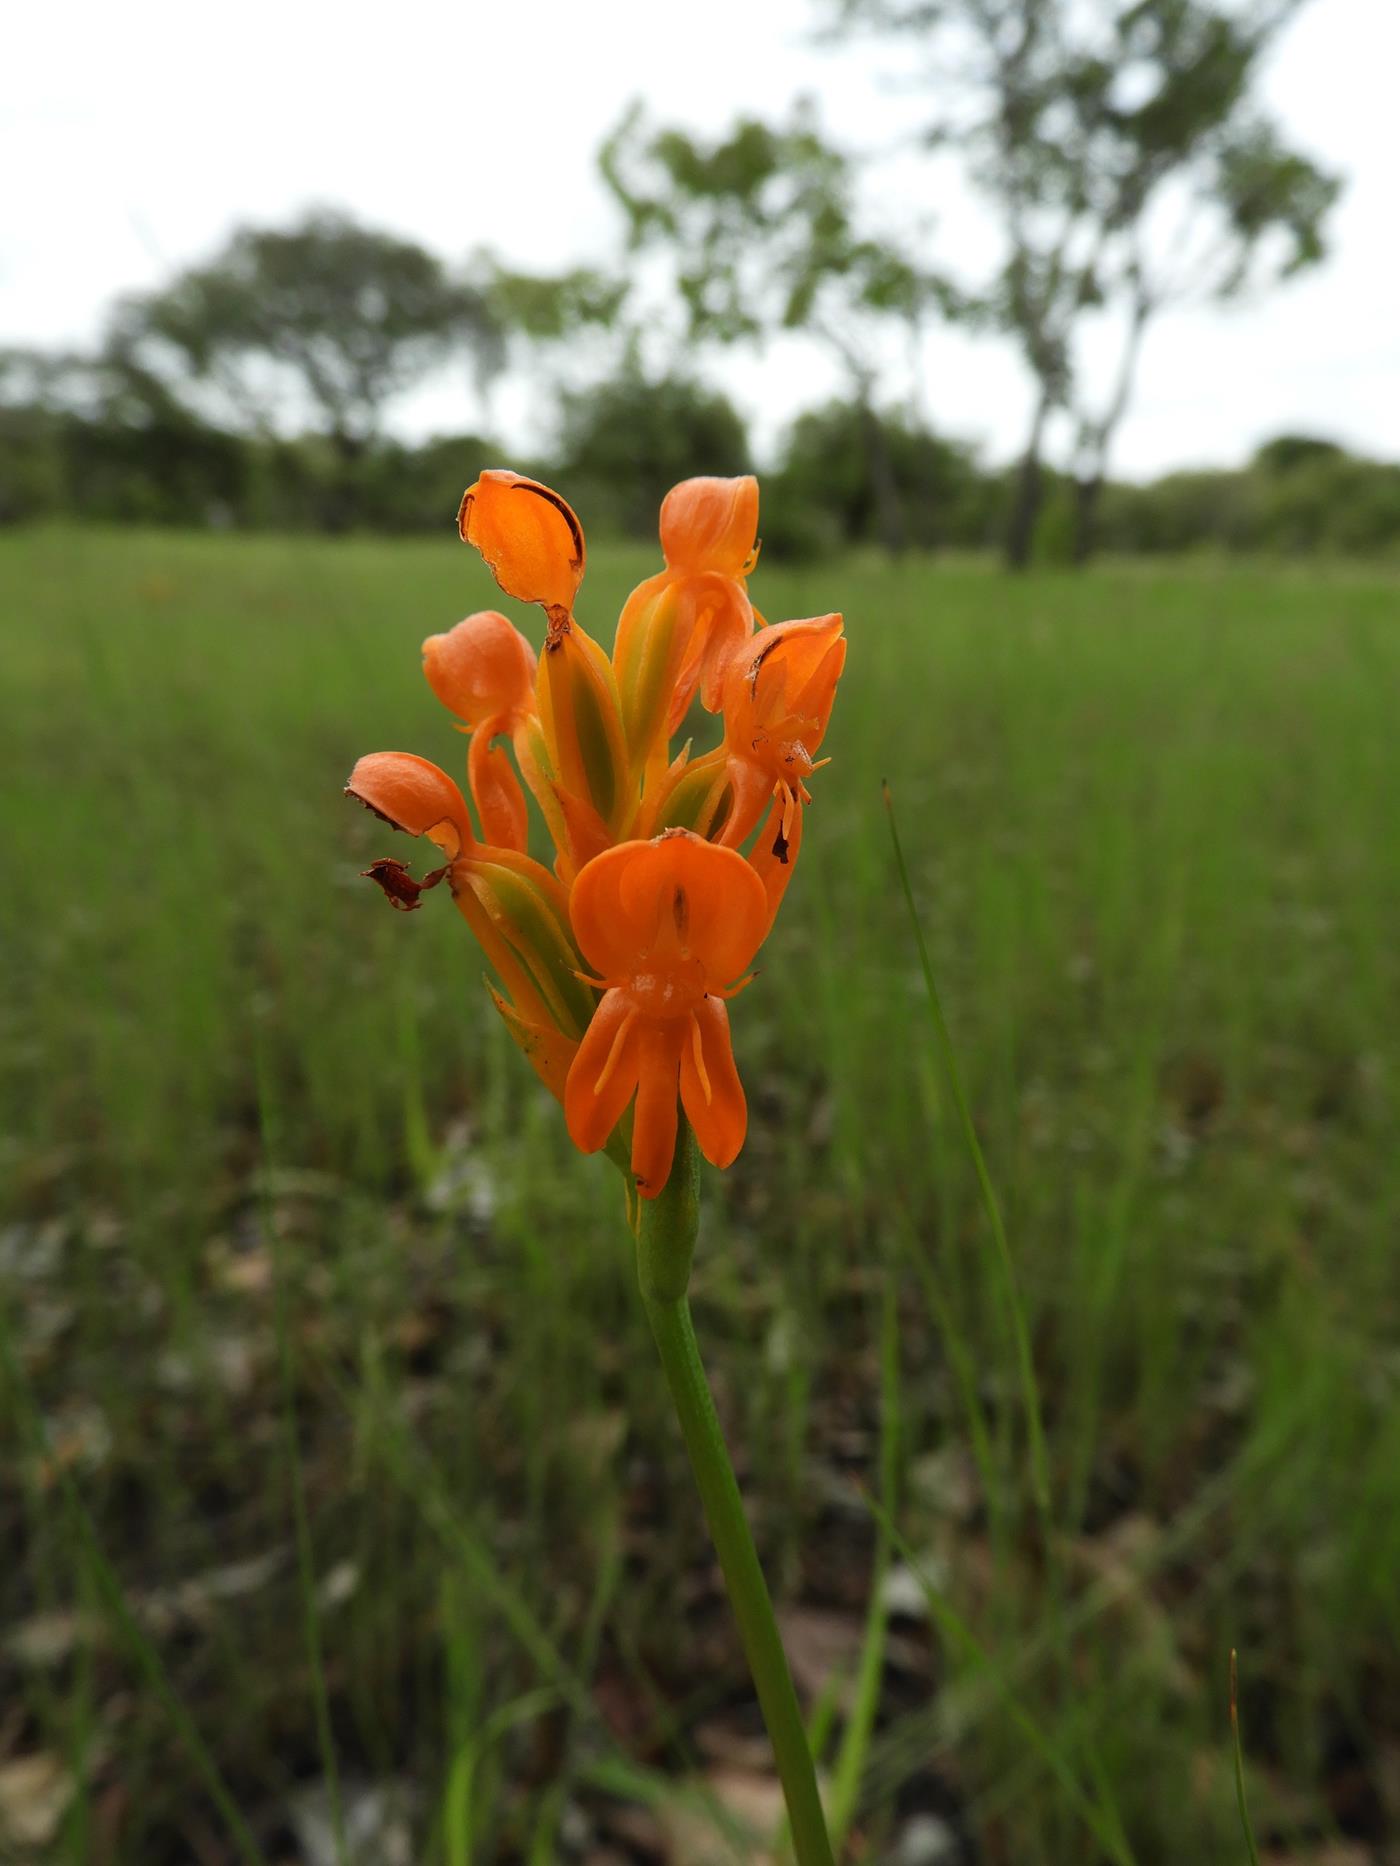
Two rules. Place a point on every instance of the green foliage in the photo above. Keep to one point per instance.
(1299, 497)
(629, 440)
(761, 228)
(551, 307)
(346, 316)
(823, 496)
(1149, 818)
(1085, 128)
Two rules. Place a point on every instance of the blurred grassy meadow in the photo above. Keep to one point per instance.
(328, 1403)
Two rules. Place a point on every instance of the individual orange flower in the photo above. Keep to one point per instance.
(778, 697)
(529, 537)
(679, 627)
(670, 926)
(483, 670)
(517, 909)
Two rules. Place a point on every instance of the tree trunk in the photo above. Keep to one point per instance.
(889, 518)
(1096, 437)
(1025, 506)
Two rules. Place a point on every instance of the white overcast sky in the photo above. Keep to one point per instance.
(133, 136)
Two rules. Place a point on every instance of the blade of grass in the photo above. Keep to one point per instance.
(1239, 1760)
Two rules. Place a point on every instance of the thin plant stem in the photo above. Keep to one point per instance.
(665, 1243)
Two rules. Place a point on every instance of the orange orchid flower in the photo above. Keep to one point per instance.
(679, 627)
(483, 670)
(778, 697)
(670, 925)
(649, 885)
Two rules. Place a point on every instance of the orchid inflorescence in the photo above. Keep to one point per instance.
(614, 971)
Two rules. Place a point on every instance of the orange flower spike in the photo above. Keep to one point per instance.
(670, 925)
(484, 671)
(778, 697)
(528, 535)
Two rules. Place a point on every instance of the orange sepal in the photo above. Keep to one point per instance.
(786, 678)
(711, 524)
(482, 669)
(528, 535)
(413, 794)
(711, 1092)
(603, 1077)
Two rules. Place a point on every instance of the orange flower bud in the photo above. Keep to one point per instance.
(529, 537)
(481, 670)
(711, 524)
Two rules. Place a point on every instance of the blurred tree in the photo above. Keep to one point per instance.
(1130, 168)
(760, 227)
(822, 496)
(632, 437)
(560, 328)
(330, 316)
(550, 308)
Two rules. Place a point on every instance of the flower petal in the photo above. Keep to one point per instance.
(711, 1092)
(657, 1116)
(496, 792)
(711, 524)
(603, 1075)
(413, 794)
(723, 622)
(482, 669)
(529, 537)
(629, 895)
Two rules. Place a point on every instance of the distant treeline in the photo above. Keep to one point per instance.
(625, 441)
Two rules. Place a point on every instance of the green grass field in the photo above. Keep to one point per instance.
(335, 1462)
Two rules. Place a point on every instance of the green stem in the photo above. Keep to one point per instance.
(665, 1242)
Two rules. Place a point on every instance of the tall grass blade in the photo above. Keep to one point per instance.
(1239, 1761)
